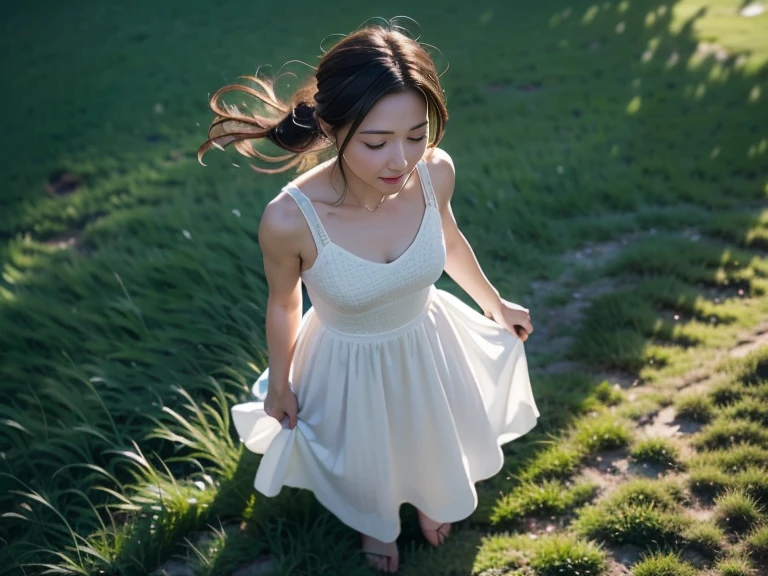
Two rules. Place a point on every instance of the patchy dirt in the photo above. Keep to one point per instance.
(693, 379)
(666, 425)
(534, 526)
(615, 568)
(650, 470)
(627, 555)
(624, 380)
(751, 343)
(604, 481)
(614, 462)
(553, 330)
(63, 241)
(698, 512)
(62, 183)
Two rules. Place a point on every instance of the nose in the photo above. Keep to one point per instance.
(397, 161)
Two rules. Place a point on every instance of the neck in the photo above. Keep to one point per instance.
(360, 193)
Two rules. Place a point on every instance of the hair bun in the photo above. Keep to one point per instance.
(304, 117)
(298, 130)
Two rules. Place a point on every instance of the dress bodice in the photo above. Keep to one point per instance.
(354, 295)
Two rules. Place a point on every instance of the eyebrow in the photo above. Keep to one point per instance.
(388, 132)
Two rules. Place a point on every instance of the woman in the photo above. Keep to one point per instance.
(387, 390)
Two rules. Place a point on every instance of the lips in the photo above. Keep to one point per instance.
(392, 180)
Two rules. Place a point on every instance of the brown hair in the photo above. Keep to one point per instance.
(350, 78)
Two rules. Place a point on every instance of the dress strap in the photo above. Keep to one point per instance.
(426, 183)
(310, 214)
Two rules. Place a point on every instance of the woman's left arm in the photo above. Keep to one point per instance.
(461, 263)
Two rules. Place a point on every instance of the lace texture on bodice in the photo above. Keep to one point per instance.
(358, 296)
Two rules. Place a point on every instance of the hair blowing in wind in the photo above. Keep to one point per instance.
(349, 79)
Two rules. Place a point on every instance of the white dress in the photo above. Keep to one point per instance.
(405, 393)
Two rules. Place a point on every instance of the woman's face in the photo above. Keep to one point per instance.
(388, 143)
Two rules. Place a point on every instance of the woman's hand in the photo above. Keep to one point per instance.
(282, 402)
(513, 318)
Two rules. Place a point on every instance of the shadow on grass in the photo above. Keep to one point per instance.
(643, 120)
(690, 160)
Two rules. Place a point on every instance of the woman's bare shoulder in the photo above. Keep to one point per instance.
(314, 183)
(282, 223)
(442, 173)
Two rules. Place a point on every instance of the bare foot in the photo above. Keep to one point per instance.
(434, 532)
(383, 556)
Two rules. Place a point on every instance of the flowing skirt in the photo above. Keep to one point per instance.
(414, 415)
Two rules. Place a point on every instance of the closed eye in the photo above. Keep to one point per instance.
(379, 146)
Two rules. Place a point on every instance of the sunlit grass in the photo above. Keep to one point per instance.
(663, 564)
(601, 433)
(734, 566)
(737, 512)
(756, 544)
(694, 407)
(656, 451)
(540, 499)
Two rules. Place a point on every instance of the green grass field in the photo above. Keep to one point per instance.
(612, 175)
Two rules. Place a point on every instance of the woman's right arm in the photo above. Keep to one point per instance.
(280, 247)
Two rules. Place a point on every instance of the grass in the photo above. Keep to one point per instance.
(725, 394)
(707, 481)
(638, 524)
(735, 459)
(562, 555)
(756, 545)
(664, 495)
(705, 538)
(663, 564)
(723, 433)
(541, 499)
(601, 433)
(640, 512)
(612, 152)
(737, 512)
(754, 483)
(694, 407)
(656, 451)
(734, 567)
(559, 461)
